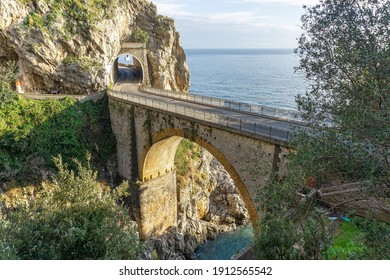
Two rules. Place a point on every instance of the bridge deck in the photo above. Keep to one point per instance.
(240, 121)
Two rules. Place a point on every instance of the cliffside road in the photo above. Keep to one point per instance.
(127, 88)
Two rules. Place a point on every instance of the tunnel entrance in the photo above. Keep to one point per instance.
(127, 69)
(132, 62)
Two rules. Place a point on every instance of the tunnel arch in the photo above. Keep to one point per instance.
(137, 66)
(158, 159)
(136, 50)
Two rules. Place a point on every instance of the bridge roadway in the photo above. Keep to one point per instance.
(127, 88)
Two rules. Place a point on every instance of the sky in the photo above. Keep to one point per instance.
(236, 23)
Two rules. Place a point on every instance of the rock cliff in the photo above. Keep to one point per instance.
(68, 46)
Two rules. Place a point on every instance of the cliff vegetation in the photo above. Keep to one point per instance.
(342, 166)
(48, 211)
(72, 218)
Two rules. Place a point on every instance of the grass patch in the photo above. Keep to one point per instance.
(348, 244)
(362, 239)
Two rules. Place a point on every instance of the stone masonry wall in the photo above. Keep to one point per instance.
(158, 205)
(248, 160)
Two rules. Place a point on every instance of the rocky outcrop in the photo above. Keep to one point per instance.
(227, 208)
(208, 204)
(66, 46)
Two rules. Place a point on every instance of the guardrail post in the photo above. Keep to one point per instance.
(254, 129)
(240, 124)
(270, 131)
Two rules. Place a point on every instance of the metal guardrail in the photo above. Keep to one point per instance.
(254, 128)
(289, 115)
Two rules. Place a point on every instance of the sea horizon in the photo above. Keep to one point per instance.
(257, 76)
(238, 51)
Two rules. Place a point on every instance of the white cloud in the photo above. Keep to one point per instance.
(239, 18)
(179, 11)
(170, 7)
(235, 23)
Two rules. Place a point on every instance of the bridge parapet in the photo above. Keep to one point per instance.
(290, 115)
(259, 130)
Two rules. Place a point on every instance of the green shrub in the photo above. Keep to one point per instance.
(34, 20)
(73, 218)
(140, 35)
(33, 131)
(7, 80)
(276, 240)
(7, 95)
(86, 63)
(78, 15)
(186, 152)
(291, 227)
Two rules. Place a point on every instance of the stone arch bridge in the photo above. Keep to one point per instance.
(149, 125)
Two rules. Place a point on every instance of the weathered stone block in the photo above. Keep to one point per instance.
(158, 205)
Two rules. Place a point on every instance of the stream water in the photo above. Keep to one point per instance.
(226, 245)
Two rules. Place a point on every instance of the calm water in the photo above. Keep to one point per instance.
(257, 76)
(226, 245)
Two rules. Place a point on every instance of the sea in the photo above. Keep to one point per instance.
(216, 249)
(256, 76)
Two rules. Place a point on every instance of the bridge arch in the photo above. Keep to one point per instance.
(158, 159)
(147, 139)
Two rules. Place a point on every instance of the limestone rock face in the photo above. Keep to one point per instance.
(71, 50)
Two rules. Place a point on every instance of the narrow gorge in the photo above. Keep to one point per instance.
(208, 204)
